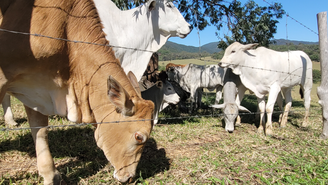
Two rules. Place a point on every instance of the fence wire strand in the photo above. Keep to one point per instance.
(142, 50)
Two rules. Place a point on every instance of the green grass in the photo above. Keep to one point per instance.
(189, 150)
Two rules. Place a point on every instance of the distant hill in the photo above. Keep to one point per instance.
(284, 42)
(211, 48)
(178, 48)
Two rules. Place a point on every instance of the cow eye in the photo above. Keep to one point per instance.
(169, 5)
(233, 51)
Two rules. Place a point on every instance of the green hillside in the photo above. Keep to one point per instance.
(174, 51)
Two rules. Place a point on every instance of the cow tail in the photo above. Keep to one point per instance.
(301, 93)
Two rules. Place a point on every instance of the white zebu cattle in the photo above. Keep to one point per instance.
(161, 94)
(154, 23)
(231, 101)
(192, 78)
(264, 71)
(139, 32)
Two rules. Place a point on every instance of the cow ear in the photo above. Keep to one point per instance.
(119, 97)
(159, 84)
(218, 106)
(250, 46)
(244, 109)
(134, 82)
(151, 4)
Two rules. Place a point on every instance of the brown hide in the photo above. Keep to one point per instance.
(152, 68)
(32, 64)
(169, 65)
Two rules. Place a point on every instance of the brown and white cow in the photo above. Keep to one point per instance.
(84, 82)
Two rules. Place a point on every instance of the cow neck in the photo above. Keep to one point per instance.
(129, 34)
(187, 70)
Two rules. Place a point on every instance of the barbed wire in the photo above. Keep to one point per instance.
(213, 115)
(128, 48)
(262, 69)
(74, 41)
(295, 20)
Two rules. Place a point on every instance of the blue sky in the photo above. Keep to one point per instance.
(304, 11)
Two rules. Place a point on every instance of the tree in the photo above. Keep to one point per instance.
(248, 24)
(253, 24)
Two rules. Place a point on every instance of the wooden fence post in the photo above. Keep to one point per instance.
(322, 90)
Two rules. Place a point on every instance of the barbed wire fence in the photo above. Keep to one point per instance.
(214, 115)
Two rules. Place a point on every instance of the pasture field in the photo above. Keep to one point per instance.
(183, 149)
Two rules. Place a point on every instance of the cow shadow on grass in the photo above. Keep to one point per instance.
(152, 162)
(85, 158)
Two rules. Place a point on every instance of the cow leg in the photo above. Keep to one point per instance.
(8, 114)
(199, 98)
(307, 102)
(261, 107)
(239, 97)
(45, 162)
(155, 117)
(288, 99)
(274, 91)
(193, 99)
(218, 96)
(280, 105)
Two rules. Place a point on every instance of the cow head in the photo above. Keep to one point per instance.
(234, 56)
(170, 96)
(168, 18)
(230, 111)
(123, 142)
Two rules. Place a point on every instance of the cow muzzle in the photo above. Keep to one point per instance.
(125, 177)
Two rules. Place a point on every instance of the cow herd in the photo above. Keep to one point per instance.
(261, 71)
(100, 82)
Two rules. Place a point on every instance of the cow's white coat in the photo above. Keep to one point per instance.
(139, 32)
(264, 71)
(192, 78)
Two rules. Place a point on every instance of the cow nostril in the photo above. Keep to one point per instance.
(130, 180)
(220, 63)
(230, 131)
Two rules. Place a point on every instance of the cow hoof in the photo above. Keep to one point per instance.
(56, 180)
(268, 132)
(13, 123)
(260, 130)
(323, 136)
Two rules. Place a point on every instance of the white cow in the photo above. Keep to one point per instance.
(192, 78)
(162, 94)
(231, 105)
(139, 32)
(136, 34)
(264, 71)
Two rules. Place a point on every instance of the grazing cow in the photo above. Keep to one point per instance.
(154, 22)
(264, 71)
(193, 78)
(162, 94)
(231, 103)
(141, 31)
(85, 82)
